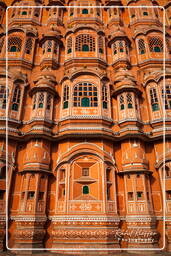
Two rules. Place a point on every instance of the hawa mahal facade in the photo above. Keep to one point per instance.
(85, 124)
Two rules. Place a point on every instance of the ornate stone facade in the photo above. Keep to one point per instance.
(85, 89)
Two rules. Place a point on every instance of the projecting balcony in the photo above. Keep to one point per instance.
(49, 59)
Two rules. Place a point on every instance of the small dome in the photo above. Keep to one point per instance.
(36, 157)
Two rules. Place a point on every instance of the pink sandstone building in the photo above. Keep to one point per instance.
(87, 92)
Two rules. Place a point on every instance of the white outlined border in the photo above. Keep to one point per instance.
(164, 117)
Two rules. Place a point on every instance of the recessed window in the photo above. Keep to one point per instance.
(139, 195)
(3, 173)
(166, 95)
(130, 196)
(41, 195)
(129, 100)
(3, 97)
(41, 100)
(121, 99)
(133, 16)
(2, 194)
(85, 172)
(24, 13)
(69, 50)
(145, 13)
(104, 96)
(154, 99)
(168, 194)
(85, 190)
(141, 46)
(85, 11)
(108, 192)
(16, 98)
(31, 194)
(48, 103)
(65, 96)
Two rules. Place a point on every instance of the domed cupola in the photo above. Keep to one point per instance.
(120, 45)
(43, 94)
(36, 158)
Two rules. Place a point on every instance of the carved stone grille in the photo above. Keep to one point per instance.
(48, 104)
(154, 99)
(104, 96)
(29, 45)
(1, 44)
(167, 96)
(101, 46)
(83, 40)
(3, 97)
(14, 44)
(85, 95)
(66, 96)
(121, 100)
(41, 100)
(16, 98)
(155, 44)
(141, 46)
(69, 45)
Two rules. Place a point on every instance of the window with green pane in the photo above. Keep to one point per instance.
(85, 190)
(85, 48)
(85, 95)
(85, 11)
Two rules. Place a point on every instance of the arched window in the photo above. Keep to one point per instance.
(66, 96)
(24, 13)
(85, 95)
(3, 173)
(121, 101)
(3, 97)
(141, 46)
(34, 101)
(85, 43)
(14, 44)
(114, 49)
(48, 102)
(29, 45)
(16, 99)
(101, 48)
(41, 100)
(85, 189)
(154, 99)
(69, 45)
(49, 46)
(85, 11)
(121, 47)
(155, 44)
(166, 95)
(129, 100)
(104, 96)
